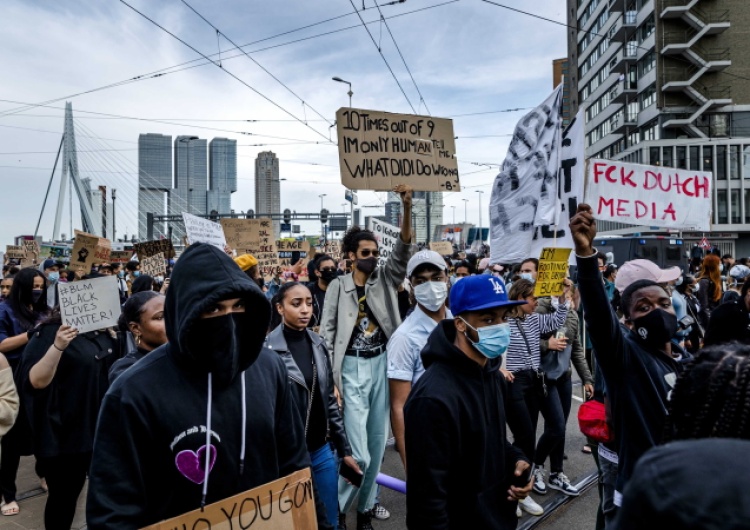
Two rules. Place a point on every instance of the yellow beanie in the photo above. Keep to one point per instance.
(245, 261)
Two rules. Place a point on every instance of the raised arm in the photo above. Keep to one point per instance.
(395, 266)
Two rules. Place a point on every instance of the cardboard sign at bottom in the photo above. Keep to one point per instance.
(284, 504)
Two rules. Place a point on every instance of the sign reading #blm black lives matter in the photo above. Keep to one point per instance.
(91, 304)
(379, 150)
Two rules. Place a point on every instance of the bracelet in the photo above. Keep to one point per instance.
(58, 349)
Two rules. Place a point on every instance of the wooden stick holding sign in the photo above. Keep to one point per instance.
(89, 305)
(284, 504)
(553, 269)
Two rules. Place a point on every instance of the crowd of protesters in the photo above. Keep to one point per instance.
(217, 382)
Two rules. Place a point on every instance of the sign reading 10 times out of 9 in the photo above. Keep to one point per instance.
(380, 150)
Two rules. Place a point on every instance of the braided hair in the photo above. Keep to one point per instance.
(711, 398)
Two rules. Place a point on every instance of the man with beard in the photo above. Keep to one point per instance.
(360, 315)
(202, 418)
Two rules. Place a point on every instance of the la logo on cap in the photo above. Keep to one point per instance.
(497, 286)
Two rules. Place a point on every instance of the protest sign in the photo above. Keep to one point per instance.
(243, 234)
(88, 250)
(444, 248)
(553, 269)
(147, 249)
(649, 195)
(379, 150)
(386, 234)
(15, 252)
(88, 305)
(292, 250)
(120, 256)
(284, 504)
(201, 230)
(154, 265)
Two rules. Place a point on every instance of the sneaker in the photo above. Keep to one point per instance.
(519, 513)
(364, 521)
(560, 482)
(380, 513)
(539, 486)
(530, 506)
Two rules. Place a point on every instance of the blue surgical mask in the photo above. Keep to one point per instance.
(121, 274)
(527, 276)
(53, 276)
(137, 273)
(493, 340)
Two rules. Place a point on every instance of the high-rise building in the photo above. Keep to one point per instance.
(560, 74)
(190, 192)
(154, 177)
(667, 82)
(222, 174)
(419, 209)
(268, 187)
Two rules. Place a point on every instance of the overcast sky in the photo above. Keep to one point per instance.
(466, 56)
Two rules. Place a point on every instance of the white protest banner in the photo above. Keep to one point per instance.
(284, 504)
(88, 305)
(649, 195)
(527, 179)
(570, 182)
(201, 230)
(380, 150)
(154, 265)
(386, 234)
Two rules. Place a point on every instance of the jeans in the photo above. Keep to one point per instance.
(608, 478)
(325, 474)
(364, 389)
(526, 394)
(66, 475)
(555, 410)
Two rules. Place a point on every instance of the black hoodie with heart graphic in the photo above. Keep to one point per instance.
(149, 461)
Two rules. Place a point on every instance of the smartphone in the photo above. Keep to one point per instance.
(351, 475)
(523, 480)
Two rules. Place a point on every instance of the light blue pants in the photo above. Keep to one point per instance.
(364, 388)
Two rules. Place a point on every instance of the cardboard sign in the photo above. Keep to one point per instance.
(379, 150)
(120, 256)
(242, 234)
(386, 234)
(88, 305)
(154, 265)
(649, 195)
(444, 248)
(88, 250)
(553, 269)
(151, 248)
(288, 248)
(284, 504)
(15, 251)
(201, 230)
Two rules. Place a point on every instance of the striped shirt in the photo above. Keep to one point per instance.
(534, 325)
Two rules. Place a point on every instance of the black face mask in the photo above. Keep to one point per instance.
(367, 265)
(656, 328)
(328, 276)
(221, 345)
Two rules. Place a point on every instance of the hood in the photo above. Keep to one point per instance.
(440, 348)
(203, 276)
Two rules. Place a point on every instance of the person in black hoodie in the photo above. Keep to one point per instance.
(461, 466)
(212, 390)
(639, 367)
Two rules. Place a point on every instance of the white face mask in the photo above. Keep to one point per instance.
(431, 295)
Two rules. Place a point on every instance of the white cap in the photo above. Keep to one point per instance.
(739, 272)
(422, 257)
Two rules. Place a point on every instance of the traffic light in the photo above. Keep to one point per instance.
(287, 216)
(250, 214)
(324, 216)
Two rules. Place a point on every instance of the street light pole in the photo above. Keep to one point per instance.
(480, 192)
(350, 93)
(466, 210)
(454, 214)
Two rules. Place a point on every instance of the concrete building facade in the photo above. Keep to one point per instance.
(267, 187)
(154, 176)
(222, 174)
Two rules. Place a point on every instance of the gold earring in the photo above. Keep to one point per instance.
(137, 340)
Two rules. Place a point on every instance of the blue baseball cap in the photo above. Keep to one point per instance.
(475, 293)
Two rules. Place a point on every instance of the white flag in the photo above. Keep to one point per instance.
(570, 182)
(527, 181)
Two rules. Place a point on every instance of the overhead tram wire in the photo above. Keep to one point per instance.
(381, 55)
(219, 32)
(182, 66)
(393, 38)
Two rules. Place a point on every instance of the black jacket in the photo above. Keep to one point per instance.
(276, 342)
(638, 381)
(63, 415)
(147, 463)
(460, 464)
(730, 321)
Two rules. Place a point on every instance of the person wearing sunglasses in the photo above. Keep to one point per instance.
(359, 316)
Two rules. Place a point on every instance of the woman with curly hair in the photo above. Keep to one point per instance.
(710, 291)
